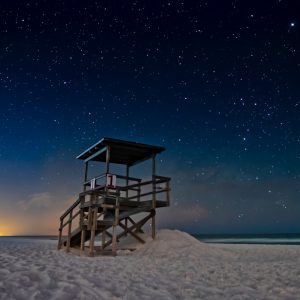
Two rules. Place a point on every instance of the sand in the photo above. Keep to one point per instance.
(175, 266)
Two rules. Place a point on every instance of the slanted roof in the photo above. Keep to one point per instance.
(121, 152)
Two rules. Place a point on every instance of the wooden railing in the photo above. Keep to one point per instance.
(102, 177)
(71, 216)
(156, 189)
(150, 188)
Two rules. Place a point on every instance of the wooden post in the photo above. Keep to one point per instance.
(60, 234)
(116, 222)
(103, 238)
(81, 223)
(82, 241)
(89, 220)
(153, 197)
(127, 180)
(86, 167)
(107, 159)
(69, 231)
(93, 231)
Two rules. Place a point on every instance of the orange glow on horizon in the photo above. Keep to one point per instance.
(6, 231)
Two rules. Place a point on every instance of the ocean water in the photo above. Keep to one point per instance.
(32, 237)
(265, 239)
(260, 239)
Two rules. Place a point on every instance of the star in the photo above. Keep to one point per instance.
(292, 24)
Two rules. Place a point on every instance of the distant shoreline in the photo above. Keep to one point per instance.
(253, 239)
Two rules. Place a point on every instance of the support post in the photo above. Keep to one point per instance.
(60, 234)
(82, 241)
(81, 223)
(153, 197)
(69, 232)
(103, 239)
(107, 159)
(116, 222)
(93, 231)
(86, 167)
(127, 180)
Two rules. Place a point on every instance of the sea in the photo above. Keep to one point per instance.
(261, 239)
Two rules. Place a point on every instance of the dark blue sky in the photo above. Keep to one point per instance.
(215, 82)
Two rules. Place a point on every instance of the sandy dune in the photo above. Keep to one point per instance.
(175, 266)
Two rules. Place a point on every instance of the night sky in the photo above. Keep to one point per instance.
(215, 82)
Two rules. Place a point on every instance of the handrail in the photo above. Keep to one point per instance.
(70, 208)
(162, 180)
(162, 177)
(148, 193)
(97, 177)
(71, 219)
(117, 175)
(127, 177)
(68, 212)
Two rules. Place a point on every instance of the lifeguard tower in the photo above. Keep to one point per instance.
(113, 205)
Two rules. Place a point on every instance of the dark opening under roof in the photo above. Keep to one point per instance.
(121, 152)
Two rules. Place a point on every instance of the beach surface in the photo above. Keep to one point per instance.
(175, 266)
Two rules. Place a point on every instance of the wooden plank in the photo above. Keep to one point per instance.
(109, 206)
(126, 225)
(114, 240)
(76, 203)
(82, 241)
(107, 158)
(128, 177)
(127, 230)
(103, 239)
(95, 154)
(127, 181)
(69, 232)
(147, 194)
(137, 225)
(86, 167)
(93, 231)
(60, 235)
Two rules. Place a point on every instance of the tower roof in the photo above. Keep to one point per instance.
(121, 152)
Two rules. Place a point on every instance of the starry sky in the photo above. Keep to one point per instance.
(215, 82)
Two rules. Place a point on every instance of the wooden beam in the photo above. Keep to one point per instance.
(107, 158)
(103, 239)
(95, 154)
(127, 230)
(126, 225)
(86, 168)
(82, 241)
(60, 234)
(116, 222)
(127, 181)
(93, 231)
(69, 232)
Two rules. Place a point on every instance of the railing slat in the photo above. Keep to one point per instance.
(70, 208)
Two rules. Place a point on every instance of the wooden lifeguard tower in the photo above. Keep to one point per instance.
(112, 205)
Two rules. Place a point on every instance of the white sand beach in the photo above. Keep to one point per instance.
(175, 266)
